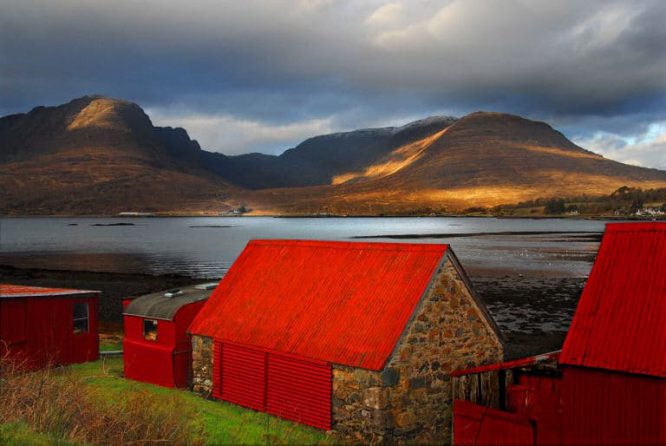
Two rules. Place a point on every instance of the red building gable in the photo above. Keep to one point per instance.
(340, 302)
(620, 323)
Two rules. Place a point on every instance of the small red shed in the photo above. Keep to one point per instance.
(608, 384)
(42, 327)
(156, 346)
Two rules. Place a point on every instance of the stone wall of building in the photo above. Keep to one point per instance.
(411, 399)
(359, 405)
(202, 365)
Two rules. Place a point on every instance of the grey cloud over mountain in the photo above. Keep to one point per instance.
(262, 75)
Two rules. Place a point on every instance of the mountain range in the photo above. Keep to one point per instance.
(102, 156)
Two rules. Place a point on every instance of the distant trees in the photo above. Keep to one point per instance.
(628, 199)
(624, 201)
(555, 206)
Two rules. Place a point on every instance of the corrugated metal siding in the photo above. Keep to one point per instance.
(612, 408)
(345, 303)
(217, 370)
(243, 376)
(299, 391)
(151, 363)
(46, 331)
(293, 388)
(620, 320)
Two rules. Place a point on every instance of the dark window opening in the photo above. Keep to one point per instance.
(81, 317)
(150, 329)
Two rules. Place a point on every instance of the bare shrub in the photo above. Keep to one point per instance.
(54, 401)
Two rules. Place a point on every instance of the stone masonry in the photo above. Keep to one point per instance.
(202, 365)
(410, 400)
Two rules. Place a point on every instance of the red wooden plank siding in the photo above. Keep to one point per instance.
(538, 397)
(243, 376)
(478, 425)
(36, 328)
(13, 320)
(339, 302)
(299, 391)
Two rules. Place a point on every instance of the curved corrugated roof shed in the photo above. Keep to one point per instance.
(620, 323)
(165, 304)
(12, 291)
(340, 302)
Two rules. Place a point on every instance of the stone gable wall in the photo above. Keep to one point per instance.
(411, 399)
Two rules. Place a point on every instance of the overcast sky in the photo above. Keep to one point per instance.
(263, 75)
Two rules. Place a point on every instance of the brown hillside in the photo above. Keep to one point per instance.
(484, 159)
(100, 156)
(97, 156)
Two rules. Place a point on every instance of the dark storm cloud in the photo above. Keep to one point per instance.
(264, 74)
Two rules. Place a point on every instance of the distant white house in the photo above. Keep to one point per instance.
(650, 212)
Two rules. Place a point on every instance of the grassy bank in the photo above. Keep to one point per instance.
(93, 404)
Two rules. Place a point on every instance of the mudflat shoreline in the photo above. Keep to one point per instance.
(533, 312)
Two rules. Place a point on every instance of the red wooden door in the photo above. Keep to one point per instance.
(243, 376)
(299, 390)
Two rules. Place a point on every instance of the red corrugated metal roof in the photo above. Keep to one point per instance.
(9, 291)
(620, 323)
(341, 302)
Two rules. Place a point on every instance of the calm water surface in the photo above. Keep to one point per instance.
(206, 246)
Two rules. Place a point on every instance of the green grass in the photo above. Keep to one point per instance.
(20, 434)
(111, 346)
(221, 423)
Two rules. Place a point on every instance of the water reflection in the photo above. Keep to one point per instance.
(206, 247)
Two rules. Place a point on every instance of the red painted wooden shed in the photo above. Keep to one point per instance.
(42, 327)
(289, 312)
(608, 384)
(156, 346)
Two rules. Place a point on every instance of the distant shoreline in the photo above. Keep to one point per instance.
(503, 217)
(595, 235)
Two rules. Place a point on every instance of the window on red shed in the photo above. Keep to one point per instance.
(81, 317)
(150, 329)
